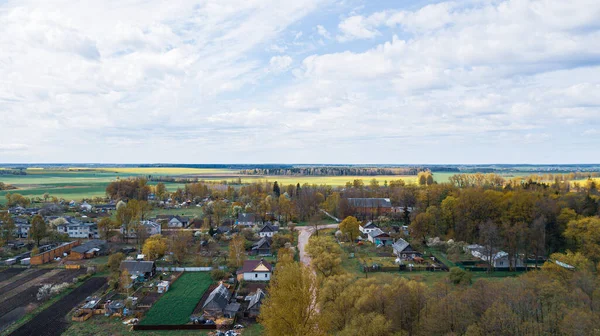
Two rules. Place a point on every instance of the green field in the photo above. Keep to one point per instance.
(176, 306)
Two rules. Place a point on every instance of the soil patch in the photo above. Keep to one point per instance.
(52, 322)
(9, 273)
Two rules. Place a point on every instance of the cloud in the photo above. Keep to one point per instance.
(13, 147)
(280, 64)
(323, 32)
(446, 82)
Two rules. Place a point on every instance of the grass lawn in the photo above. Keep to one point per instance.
(176, 306)
(100, 325)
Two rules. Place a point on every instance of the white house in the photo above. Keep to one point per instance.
(151, 227)
(268, 230)
(367, 228)
(174, 221)
(245, 220)
(499, 258)
(255, 270)
(83, 230)
(86, 207)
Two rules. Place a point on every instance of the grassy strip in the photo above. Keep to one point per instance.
(29, 316)
(176, 306)
(440, 256)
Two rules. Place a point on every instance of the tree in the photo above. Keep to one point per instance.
(125, 281)
(237, 252)
(16, 200)
(180, 242)
(276, 189)
(38, 230)
(105, 227)
(350, 227)
(325, 255)
(155, 247)
(459, 276)
(488, 236)
(160, 191)
(7, 227)
(585, 233)
(114, 261)
(291, 306)
(421, 226)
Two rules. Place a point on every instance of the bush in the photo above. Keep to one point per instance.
(47, 291)
(217, 274)
(459, 276)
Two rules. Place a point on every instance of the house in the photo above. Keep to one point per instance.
(404, 251)
(88, 250)
(268, 230)
(174, 221)
(246, 220)
(262, 247)
(22, 230)
(370, 207)
(499, 258)
(255, 270)
(223, 230)
(255, 302)
(151, 228)
(105, 207)
(370, 226)
(143, 270)
(83, 230)
(217, 301)
(162, 287)
(379, 237)
(85, 206)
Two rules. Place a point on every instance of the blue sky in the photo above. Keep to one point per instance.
(306, 81)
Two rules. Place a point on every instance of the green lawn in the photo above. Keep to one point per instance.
(176, 306)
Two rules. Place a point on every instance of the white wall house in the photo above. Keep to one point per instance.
(83, 230)
(367, 228)
(268, 230)
(256, 270)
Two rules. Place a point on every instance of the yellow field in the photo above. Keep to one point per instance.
(160, 170)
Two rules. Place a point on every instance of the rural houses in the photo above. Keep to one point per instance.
(262, 247)
(88, 250)
(404, 251)
(217, 304)
(370, 207)
(245, 220)
(499, 258)
(255, 301)
(255, 270)
(141, 270)
(366, 228)
(173, 221)
(268, 230)
(378, 237)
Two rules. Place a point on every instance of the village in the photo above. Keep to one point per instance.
(175, 272)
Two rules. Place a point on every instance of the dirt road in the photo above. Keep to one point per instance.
(305, 233)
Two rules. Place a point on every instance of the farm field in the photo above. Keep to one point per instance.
(176, 306)
(19, 289)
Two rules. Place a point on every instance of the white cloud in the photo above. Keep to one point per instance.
(279, 64)
(358, 27)
(323, 32)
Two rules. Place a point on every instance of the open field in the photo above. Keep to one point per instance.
(176, 306)
(20, 287)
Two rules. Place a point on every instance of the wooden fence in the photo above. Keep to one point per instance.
(48, 256)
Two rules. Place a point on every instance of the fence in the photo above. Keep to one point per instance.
(184, 269)
(175, 327)
(402, 268)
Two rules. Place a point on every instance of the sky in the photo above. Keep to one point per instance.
(303, 81)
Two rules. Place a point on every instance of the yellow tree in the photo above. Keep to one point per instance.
(291, 307)
(155, 247)
(586, 233)
(325, 255)
(350, 227)
(237, 251)
(105, 227)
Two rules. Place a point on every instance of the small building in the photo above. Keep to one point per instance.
(370, 226)
(370, 207)
(262, 247)
(404, 251)
(255, 270)
(85, 206)
(499, 258)
(379, 237)
(246, 220)
(255, 302)
(174, 221)
(22, 230)
(163, 287)
(217, 301)
(82, 230)
(88, 250)
(151, 228)
(268, 230)
(142, 270)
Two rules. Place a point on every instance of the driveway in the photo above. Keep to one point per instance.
(304, 234)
